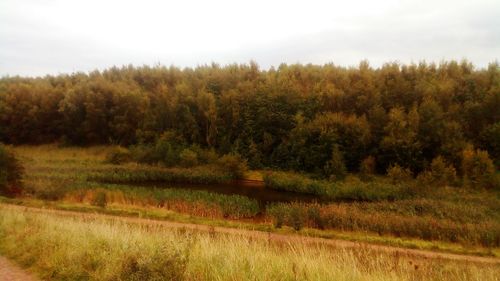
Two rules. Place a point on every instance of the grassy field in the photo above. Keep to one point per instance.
(467, 220)
(96, 248)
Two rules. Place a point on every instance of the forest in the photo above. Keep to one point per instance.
(325, 120)
(300, 172)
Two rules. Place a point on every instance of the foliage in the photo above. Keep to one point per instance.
(440, 173)
(477, 168)
(399, 174)
(188, 158)
(94, 248)
(11, 172)
(118, 155)
(306, 118)
(409, 218)
(233, 164)
(99, 199)
(138, 174)
(367, 166)
(349, 189)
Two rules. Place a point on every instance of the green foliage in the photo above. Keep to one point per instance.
(118, 155)
(135, 174)
(349, 189)
(368, 166)
(477, 168)
(306, 118)
(335, 168)
(162, 264)
(100, 199)
(399, 174)
(188, 158)
(233, 164)
(11, 172)
(440, 173)
(424, 219)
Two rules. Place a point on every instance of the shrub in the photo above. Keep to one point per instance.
(297, 217)
(296, 183)
(478, 169)
(367, 166)
(398, 174)
(233, 164)
(11, 172)
(118, 155)
(440, 173)
(100, 200)
(188, 158)
(335, 167)
(278, 212)
(163, 264)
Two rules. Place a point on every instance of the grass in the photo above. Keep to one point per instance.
(264, 226)
(72, 248)
(468, 220)
(133, 173)
(350, 189)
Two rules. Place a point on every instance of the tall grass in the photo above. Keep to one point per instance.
(349, 189)
(71, 248)
(484, 231)
(140, 174)
(195, 202)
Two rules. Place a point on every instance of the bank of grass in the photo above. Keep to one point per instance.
(470, 218)
(163, 214)
(134, 174)
(195, 202)
(351, 189)
(71, 248)
(357, 217)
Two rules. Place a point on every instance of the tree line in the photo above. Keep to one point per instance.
(313, 118)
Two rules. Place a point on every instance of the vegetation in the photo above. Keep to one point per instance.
(323, 120)
(96, 248)
(422, 218)
(10, 172)
(352, 188)
(141, 174)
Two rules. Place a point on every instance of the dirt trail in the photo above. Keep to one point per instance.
(11, 272)
(278, 238)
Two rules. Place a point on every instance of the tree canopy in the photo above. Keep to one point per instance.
(302, 117)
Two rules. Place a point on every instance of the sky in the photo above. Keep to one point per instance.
(39, 37)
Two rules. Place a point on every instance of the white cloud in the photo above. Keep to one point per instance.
(53, 36)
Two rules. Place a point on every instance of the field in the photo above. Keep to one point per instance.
(448, 220)
(99, 248)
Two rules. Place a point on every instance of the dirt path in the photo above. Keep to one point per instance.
(278, 238)
(11, 272)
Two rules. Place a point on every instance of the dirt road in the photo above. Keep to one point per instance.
(278, 238)
(11, 272)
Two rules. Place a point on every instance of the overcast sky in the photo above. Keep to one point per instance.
(39, 37)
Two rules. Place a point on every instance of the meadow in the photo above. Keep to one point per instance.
(84, 177)
(60, 247)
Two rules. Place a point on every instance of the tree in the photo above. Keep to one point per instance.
(11, 172)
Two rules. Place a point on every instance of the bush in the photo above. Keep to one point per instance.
(118, 155)
(367, 166)
(335, 168)
(478, 169)
(100, 200)
(233, 164)
(188, 158)
(398, 174)
(11, 172)
(294, 182)
(163, 264)
(440, 173)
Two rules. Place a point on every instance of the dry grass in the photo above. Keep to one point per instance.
(68, 248)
